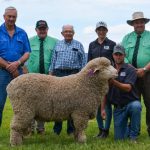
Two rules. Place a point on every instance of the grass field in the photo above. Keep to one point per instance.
(49, 141)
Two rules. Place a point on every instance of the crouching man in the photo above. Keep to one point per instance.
(123, 96)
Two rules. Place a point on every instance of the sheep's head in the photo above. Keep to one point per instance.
(102, 68)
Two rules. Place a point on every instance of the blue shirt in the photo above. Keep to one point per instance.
(127, 75)
(13, 48)
(68, 55)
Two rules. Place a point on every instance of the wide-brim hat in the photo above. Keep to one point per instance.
(136, 16)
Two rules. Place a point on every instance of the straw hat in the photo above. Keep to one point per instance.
(136, 16)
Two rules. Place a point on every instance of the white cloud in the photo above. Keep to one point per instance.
(83, 14)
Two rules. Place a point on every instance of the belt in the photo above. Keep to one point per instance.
(119, 106)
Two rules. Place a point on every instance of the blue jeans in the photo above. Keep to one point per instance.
(131, 111)
(58, 125)
(105, 125)
(5, 78)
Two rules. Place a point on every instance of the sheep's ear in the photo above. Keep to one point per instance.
(92, 72)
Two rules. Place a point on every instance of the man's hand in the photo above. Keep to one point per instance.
(12, 66)
(140, 72)
(103, 114)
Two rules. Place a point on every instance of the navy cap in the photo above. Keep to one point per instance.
(41, 24)
(119, 49)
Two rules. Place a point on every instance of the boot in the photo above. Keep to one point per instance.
(104, 134)
(100, 133)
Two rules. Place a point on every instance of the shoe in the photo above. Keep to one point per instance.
(104, 134)
(42, 132)
(134, 141)
(99, 134)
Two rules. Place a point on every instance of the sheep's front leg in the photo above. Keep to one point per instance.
(80, 121)
(19, 124)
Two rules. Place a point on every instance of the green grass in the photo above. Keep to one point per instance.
(49, 141)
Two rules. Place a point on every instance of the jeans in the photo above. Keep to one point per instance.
(5, 78)
(101, 123)
(131, 111)
(58, 125)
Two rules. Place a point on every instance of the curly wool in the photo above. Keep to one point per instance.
(50, 98)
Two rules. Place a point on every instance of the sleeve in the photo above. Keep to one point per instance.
(26, 44)
(82, 56)
(124, 43)
(131, 76)
(89, 54)
(53, 60)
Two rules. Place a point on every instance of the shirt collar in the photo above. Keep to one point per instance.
(140, 34)
(69, 43)
(3, 27)
(105, 40)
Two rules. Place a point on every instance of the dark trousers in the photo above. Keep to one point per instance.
(143, 88)
(58, 125)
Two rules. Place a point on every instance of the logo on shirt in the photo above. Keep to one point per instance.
(123, 74)
(106, 47)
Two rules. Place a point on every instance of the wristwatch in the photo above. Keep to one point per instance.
(145, 70)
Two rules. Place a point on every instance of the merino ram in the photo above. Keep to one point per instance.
(49, 98)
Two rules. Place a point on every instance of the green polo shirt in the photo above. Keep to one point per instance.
(33, 61)
(129, 42)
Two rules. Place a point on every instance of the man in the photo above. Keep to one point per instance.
(102, 47)
(14, 51)
(123, 96)
(137, 50)
(68, 58)
(42, 47)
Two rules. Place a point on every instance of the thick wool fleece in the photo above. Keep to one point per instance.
(50, 98)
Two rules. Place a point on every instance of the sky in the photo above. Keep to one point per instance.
(82, 14)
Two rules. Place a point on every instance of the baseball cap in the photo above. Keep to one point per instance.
(41, 24)
(119, 49)
(101, 24)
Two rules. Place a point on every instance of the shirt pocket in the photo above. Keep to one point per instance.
(3, 44)
(19, 45)
(146, 47)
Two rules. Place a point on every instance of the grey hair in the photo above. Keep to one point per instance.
(68, 25)
(10, 8)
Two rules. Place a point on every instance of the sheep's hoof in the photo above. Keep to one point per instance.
(16, 139)
(81, 139)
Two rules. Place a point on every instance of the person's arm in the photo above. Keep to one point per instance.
(122, 86)
(3, 63)
(14, 65)
(83, 58)
(103, 105)
(141, 71)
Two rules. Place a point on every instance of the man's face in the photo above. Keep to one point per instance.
(10, 17)
(118, 58)
(42, 32)
(68, 33)
(101, 32)
(139, 26)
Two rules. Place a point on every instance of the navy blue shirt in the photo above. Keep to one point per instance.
(12, 48)
(101, 50)
(127, 74)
